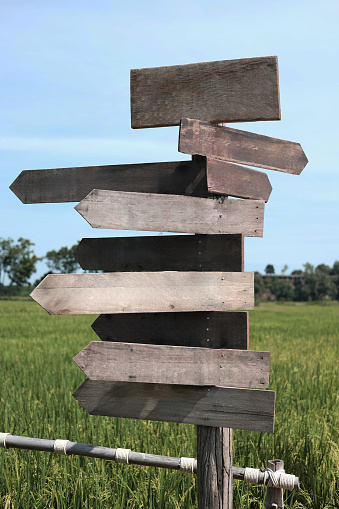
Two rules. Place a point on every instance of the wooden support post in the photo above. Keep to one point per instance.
(214, 461)
(274, 496)
(214, 479)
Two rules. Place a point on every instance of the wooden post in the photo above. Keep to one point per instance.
(214, 463)
(274, 496)
(214, 479)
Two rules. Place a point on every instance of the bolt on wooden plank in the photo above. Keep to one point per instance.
(208, 329)
(242, 147)
(162, 253)
(250, 409)
(73, 184)
(138, 292)
(181, 214)
(179, 365)
(239, 90)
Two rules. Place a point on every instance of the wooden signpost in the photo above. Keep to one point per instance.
(171, 213)
(242, 147)
(174, 334)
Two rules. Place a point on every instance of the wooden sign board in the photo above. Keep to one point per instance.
(242, 147)
(162, 253)
(73, 184)
(250, 409)
(234, 180)
(170, 213)
(224, 91)
(208, 329)
(145, 292)
(179, 365)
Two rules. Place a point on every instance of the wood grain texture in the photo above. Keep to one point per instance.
(162, 253)
(224, 91)
(145, 292)
(242, 147)
(234, 180)
(250, 409)
(208, 329)
(73, 184)
(214, 479)
(170, 213)
(179, 365)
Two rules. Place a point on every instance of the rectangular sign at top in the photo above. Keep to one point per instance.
(241, 90)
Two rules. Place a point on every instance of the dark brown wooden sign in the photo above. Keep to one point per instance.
(170, 213)
(234, 180)
(224, 91)
(73, 184)
(179, 365)
(242, 147)
(145, 292)
(250, 409)
(162, 253)
(209, 329)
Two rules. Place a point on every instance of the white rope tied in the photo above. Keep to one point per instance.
(187, 465)
(122, 455)
(251, 475)
(3, 437)
(60, 447)
(278, 479)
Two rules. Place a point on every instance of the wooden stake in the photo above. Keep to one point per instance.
(274, 496)
(214, 480)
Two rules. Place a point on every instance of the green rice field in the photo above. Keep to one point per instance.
(38, 377)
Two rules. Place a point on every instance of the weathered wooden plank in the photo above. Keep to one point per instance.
(73, 184)
(180, 365)
(145, 292)
(208, 329)
(224, 91)
(242, 147)
(170, 213)
(234, 180)
(165, 252)
(250, 409)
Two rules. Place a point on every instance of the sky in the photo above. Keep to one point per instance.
(64, 101)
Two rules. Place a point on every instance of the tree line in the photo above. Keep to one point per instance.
(18, 263)
(307, 284)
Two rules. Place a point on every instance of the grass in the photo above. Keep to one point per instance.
(39, 376)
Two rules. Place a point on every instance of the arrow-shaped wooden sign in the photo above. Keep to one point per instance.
(162, 253)
(180, 365)
(242, 147)
(181, 214)
(225, 91)
(234, 180)
(250, 409)
(73, 184)
(145, 292)
(208, 329)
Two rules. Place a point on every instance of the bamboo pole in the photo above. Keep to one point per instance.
(8, 441)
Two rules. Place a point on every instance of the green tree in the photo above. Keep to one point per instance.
(284, 269)
(282, 290)
(323, 268)
(20, 261)
(259, 285)
(335, 269)
(269, 269)
(63, 260)
(5, 246)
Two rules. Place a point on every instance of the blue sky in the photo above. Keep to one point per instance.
(64, 101)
